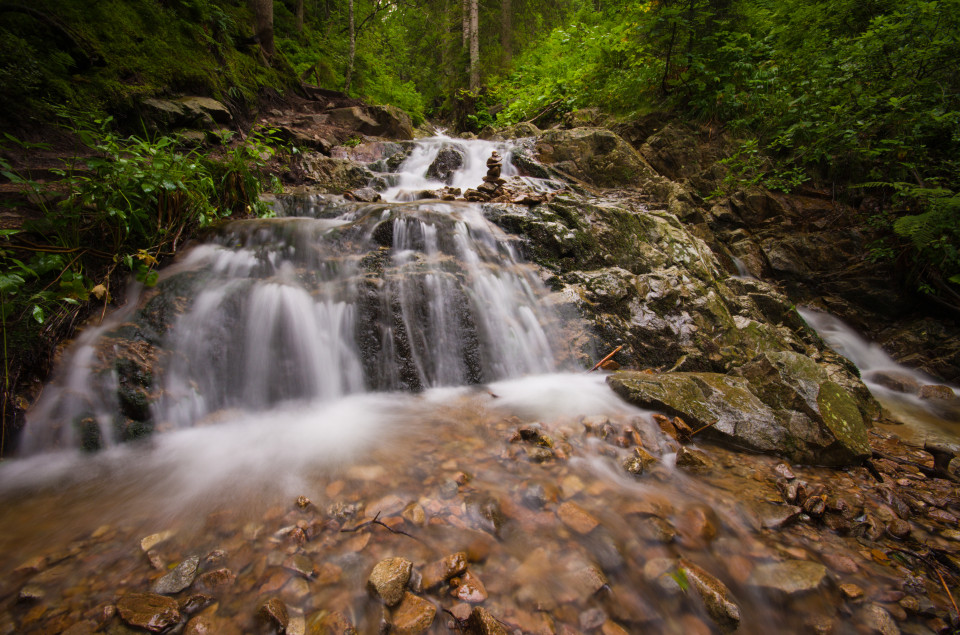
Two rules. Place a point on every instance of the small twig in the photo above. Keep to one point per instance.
(376, 521)
(600, 363)
(712, 423)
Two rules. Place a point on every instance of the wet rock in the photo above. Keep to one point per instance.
(851, 591)
(389, 578)
(470, 589)
(179, 579)
(330, 623)
(815, 506)
(442, 570)
(217, 580)
(577, 518)
(939, 392)
(727, 409)
(149, 611)
(877, 620)
(482, 622)
(449, 160)
(692, 460)
(363, 195)
(151, 541)
(773, 516)
(717, 599)
(301, 565)
(791, 577)
(274, 612)
(195, 603)
(412, 615)
(784, 470)
(595, 155)
(899, 529)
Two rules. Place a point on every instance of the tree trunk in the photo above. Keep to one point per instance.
(353, 51)
(506, 31)
(263, 24)
(474, 46)
(465, 14)
(300, 16)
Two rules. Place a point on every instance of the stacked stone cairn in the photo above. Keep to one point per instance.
(492, 185)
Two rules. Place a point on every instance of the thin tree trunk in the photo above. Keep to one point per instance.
(353, 51)
(300, 16)
(506, 31)
(465, 15)
(474, 45)
(263, 24)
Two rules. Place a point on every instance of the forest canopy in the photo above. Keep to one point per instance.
(858, 96)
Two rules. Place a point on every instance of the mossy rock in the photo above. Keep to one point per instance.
(595, 155)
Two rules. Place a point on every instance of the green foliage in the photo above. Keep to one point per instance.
(131, 202)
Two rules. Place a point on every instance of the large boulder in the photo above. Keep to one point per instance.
(378, 121)
(806, 419)
(448, 161)
(594, 155)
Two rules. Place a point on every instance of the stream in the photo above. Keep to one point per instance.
(300, 398)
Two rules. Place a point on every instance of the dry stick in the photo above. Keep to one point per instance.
(600, 363)
(705, 427)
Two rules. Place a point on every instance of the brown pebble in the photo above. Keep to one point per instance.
(784, 470)
(851, 591)
(899, 529)
(274, 612)
(577, 518)
(303, 502)
(412, 615)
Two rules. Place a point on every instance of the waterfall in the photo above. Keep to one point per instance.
(371, 298)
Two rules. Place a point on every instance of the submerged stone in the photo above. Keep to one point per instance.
(717, 599)
(179, 579)
(149, 611)
(389, 578)
(791, 577)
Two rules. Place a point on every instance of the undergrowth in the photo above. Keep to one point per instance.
(129, 204)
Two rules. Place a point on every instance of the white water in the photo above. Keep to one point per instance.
(413, 171)
(278, 312)
(895, 386)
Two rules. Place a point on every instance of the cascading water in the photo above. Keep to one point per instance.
(352, 382)
(895, 386)
(442, 161)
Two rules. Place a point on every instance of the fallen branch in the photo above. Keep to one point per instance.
(700, 429)
(600, 363)
(933, 567)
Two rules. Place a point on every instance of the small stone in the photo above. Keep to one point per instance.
(877, 620)
(389, 578)
(934, 391)
(149, 611)
(774, 516)
(330, 623)
(31, 593)
(471, 589)
(482, 622)
(303, 502)
(910, 604)
(815, 506)
(591, 619)
(216, 580)
(791, 577)
(841, 564)
(576, 518)
(412, 615)
(195, 603)
(151, 541)
(716, 597)
(851, 591)
(693, 460)
(415, 514)
(442, 570)
(179, 579)
(301, 565)
(274, 612)
(86, 627)
(898, 528)
(784, 470)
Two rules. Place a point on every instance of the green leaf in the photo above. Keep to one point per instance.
(37, 314)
